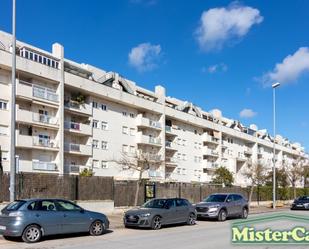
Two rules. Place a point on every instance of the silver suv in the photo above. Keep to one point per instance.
(222, 206)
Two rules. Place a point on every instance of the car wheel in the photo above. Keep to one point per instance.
(32, 234)
(156, 223)
(191, 219)
(222, 215)
(97, 228)
(244, 214)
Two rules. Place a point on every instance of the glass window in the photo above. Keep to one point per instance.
(15, 205)
(124, 114)
(95, 144)
(67, 206)
(95, 163)
(104, 145)
(40, 58)
(46, 205)
(3, 130)
(132, 131)
(3, 105)
(124, 148)
(104, 165)
(104, 107)
(104, 126)
(132, 115)
(215, 198)
(95, 104)
(181, 203)
(125, 130)
(95, 124)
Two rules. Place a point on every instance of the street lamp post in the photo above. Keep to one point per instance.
(274, 86)
(13, 93)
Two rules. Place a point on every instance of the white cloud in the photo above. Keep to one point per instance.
(221, 67)
(247, 113)
(290, 69)
(144, 57)
(220, 25)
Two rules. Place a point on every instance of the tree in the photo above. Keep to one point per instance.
(257, 174)
(140, 162)
(223, 176)
(86, 172)
(295, 173)
(281, 178)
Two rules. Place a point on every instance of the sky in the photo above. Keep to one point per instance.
(214, 53)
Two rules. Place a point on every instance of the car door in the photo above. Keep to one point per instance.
(182, 210)
(74, 218)
(238, 203)
(170, 212)
(229, 202)
(44, 213)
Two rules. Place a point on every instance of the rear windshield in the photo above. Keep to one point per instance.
(14, 206)
(215, 198)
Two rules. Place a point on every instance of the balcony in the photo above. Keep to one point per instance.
(77, 108)
(78, 149)
(171, 162)
(212, 165)
(29, 117)
(170, 146)
(210, 152)
(248, 151)
(78, 128)
(241, 157)
(147, 123)
(71, 168)
(170, 131)
(210, 139)
(30, 91)
(224, 144)
(154, 174)
(143, 139)
(35, 142)
(44, 166)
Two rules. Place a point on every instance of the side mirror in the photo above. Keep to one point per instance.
(82, 210)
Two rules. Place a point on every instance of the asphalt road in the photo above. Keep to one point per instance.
(205, 234)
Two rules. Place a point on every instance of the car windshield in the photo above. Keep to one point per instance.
(215, 198)
(15, 205)
(156, 203)
(303, 198)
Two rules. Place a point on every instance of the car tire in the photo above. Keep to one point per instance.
(222, 215)
(97, 228)
(191, 219)
(32, 234)
(244, 214)
(156, 223)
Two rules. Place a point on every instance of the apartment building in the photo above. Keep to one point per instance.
(71, 116)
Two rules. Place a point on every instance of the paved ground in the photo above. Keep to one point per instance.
(206, 234)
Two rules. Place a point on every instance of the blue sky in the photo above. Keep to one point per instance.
(217, 54)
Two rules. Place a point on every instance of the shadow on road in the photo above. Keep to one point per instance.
(58, 236)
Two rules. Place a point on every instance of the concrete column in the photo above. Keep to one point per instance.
(160, 94)
(58, 52)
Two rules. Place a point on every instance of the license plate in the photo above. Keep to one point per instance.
(2, 227)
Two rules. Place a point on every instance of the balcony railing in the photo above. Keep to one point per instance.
(44, 119)
(154, 140)
(72, 147)
(44, 142)
(44, 93)
(72, 125)
(72, 168)
(154, 124)
(48, 166)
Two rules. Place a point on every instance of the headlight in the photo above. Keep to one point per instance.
(213, 208)
(144, 215)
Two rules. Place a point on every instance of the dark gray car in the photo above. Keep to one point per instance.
(33, 218)
(221, 206)
(158, 212)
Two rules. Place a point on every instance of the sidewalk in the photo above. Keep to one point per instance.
(116, 217)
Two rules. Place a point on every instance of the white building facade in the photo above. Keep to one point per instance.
(71, 116)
